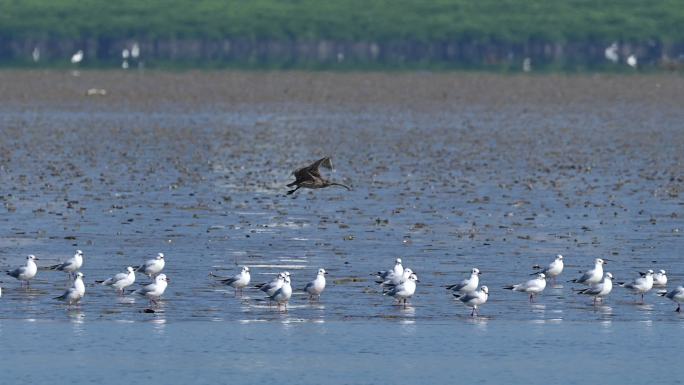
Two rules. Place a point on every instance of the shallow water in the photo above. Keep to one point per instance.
(499, 187)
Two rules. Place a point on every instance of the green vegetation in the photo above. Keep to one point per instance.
(349, 20)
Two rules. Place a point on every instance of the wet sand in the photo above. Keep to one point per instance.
(449, 171)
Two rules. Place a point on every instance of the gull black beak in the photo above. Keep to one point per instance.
(326, 273)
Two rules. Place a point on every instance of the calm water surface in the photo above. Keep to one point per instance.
(498, 188)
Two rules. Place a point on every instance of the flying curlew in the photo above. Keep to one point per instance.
(310, 176)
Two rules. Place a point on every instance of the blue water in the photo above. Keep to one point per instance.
(501, 188)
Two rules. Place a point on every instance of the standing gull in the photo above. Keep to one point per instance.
(640, 285)
(532, 287)
(310, 176)
(554, 268)
(239, 281)
(154, 290)
(271, 287)
(75, 292)
(403, 291)
(601, 289)
(27, 272)
(71, 265)
(153, 266)
(660, 278)
(467, 285)
(398, 269)
(282, 295)
(592, 276)
(316, 287)
(676, 295)
(474, 299)
(120, 281)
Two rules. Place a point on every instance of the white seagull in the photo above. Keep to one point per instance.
(120, 281)
(403, 291)
(554, 268)
(153, 266)
(532, 287)
(398, 269)
(640, 285)
(660, 278)
(592, 276)
(27, 272)
(77, 57)
(601, 289)
(282, 295)
(239, 281)
(676, 295)
(71, 265)
(154, 290)
(474, 299)
(75, 292)
(316, 287)
(396, 279)
(271, 287)
(467, 285)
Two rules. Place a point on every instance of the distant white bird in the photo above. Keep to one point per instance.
(153, 266)
(474, 299)
(660, 278)
(282, 295)
(316, 287)
(27, 272)
(71, 265)
(403, 291)
(601, 289)
(154, 290)
(676, 295)
(120, 281)
(532, 287)
(75, 292)
(271, 287)
(398, 269)
(125, 53)
(554, 268)
(640, 285)
(467, 285)
(135, 50)
(527, 65)
(611, 53)
(594, 275)
(77, 57)
(632, 61)
(124, 64)
(239, 281)
(35, 55)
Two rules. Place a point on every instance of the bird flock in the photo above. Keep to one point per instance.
(397, 282)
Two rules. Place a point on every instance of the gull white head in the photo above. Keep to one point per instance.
(484, 289)
(287, 279)
(31, 257)
(162, 277)
(79, 275)
(609, 275)
(649, 272)
(599, 261)
(408, 271)
(413, 278)
(322, 272)
(662, 271)
(541, 276)
(245, 269)
(79, 252)
(397, 261)
(130, 269)
(559, 257)
(287, 273)
(160, 256)
(475, 271)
